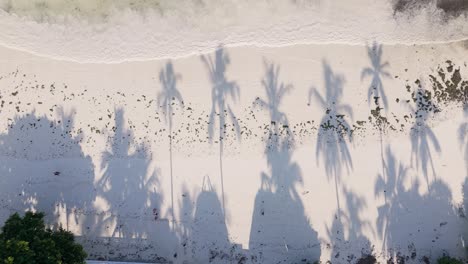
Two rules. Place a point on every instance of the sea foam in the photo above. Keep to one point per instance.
(114, 31)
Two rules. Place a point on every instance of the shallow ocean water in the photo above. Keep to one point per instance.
(114, 31)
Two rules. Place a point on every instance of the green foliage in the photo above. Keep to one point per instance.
(27, 241)
(448, 260)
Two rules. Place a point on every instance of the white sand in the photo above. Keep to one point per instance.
(88, 143)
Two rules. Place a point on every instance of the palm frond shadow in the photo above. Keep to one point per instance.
(280, 228)
(222, 92)
(167, 98)
(334, 130)
(402, 196)
(347, 229)
(49, 145)
(170, 94)
(129, 182)
(377, 72)
(423, 139)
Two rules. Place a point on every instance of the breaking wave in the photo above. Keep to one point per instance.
(107, 31)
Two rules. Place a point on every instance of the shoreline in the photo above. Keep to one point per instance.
(132, 36)
(462, 42)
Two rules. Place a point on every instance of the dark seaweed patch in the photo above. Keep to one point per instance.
(449, 86)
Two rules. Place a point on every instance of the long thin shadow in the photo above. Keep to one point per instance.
(377, 71)
(422, 136)
(334, 130)
(280, 229)
(169, 96)
(222, 92)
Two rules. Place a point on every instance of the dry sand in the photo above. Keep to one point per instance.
(307, 165)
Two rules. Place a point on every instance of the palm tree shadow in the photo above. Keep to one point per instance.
(275, 92)
(278, 149)
(422, 136)
(377, 72)
(210, 233)
(222, 92)
(128, 184)
(59, 178)
(167, 98)
(349, 222)
(399, 208)
(376, 90)
(280, 229)
(203, 231)
(391, 186)
(334, 129)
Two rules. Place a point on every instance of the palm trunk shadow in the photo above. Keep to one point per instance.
(172, 175)
(221, 145)
(334, 130)
(222, 89)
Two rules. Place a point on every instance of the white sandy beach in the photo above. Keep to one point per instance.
(241, 140)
